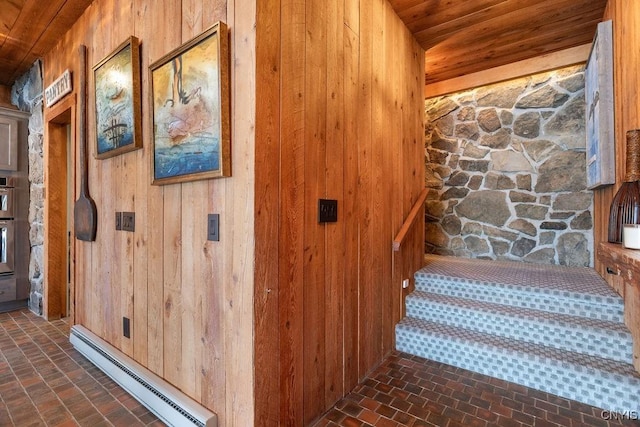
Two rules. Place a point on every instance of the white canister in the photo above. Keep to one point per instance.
(631, 236)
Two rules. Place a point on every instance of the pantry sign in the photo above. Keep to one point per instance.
(58, 89)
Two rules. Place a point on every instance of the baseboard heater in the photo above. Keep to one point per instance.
(168, 403)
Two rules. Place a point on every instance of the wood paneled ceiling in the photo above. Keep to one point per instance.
(29, 29)
(461, 37)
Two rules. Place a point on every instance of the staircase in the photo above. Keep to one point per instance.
(555, 329)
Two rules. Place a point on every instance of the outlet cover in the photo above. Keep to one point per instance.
(118, 220)
(327, 210)
(126, 327)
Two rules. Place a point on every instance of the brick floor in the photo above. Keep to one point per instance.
(410, 391)
(44, 381)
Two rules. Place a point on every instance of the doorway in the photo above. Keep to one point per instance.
(59, 179)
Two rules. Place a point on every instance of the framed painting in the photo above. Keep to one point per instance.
(117, 96)
(190, 102)
(601, 169)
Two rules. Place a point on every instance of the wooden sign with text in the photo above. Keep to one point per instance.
(58, 89)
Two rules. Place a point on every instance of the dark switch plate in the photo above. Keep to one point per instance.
(213, 227)
(327, 210)
(126, 327)
(129, 221)
(118, 220)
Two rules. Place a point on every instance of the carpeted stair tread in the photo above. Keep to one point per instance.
(565, 300)
(525, 348)
(590, 379)
(591, 336)
(554, 279)
(525, 298)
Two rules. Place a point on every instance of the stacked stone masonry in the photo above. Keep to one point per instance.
(506, 165)
(26, 94)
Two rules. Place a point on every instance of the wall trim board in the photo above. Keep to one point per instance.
(547, 62)
(56, 120)
(5, 97)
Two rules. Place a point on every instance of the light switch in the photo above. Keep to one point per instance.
(213, 227)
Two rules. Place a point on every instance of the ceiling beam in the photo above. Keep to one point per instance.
(539, 64)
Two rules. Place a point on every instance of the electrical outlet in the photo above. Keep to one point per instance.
(126, 327)
(213, 227)
(327, 210)
(129, 221)
(118, 220)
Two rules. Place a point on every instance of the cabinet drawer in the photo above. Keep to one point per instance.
(7, 289)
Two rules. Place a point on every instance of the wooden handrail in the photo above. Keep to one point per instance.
(408, 222)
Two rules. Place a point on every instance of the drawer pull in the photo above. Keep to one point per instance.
(612, 271)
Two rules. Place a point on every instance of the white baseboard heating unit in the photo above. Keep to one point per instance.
(167, 402)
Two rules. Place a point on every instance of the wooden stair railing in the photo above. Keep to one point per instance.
(409, 221)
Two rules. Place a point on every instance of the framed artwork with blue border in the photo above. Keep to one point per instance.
(190, 117)
(117, 101)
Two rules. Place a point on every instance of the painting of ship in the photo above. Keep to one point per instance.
(117, 101)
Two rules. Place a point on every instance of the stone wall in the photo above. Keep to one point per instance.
(26, 94)
(506, 164)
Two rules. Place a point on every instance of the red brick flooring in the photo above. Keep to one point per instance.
(44, 381)
(410, 391)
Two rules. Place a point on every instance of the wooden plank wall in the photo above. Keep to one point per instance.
(190, 301)
(626, 80)
(339, 116)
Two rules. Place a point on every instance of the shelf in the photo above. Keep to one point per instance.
(625, 261)
(622, 271)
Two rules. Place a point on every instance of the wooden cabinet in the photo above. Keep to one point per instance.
(14, 166)
(8, 144)
(7, 289)
(621, 269)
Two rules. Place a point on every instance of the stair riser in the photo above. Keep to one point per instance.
(600, 388)
(601, 343)
(521, 297)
